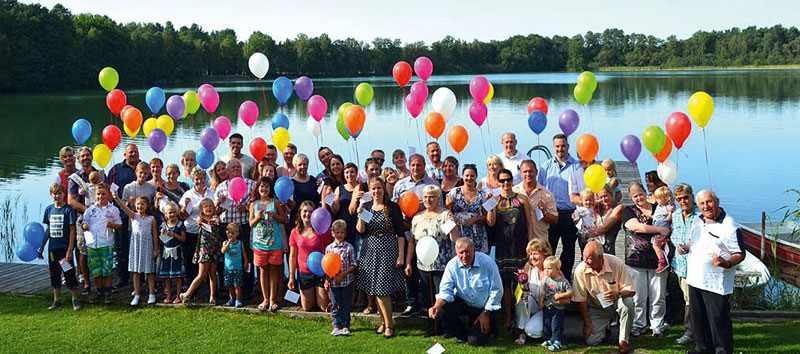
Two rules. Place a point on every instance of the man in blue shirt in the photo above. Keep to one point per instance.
(554, 175)
(122, 174)
(471, 286)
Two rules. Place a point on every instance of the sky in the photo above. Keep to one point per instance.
(431, 20)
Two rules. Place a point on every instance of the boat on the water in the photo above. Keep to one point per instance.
(776, 244)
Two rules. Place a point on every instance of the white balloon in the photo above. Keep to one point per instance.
(444, 101)
(314, 127)
(259, 64)
(667, 172)
(427, 250)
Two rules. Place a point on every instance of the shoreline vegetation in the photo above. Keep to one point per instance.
(52, 49)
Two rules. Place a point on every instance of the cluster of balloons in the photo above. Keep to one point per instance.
(537, 115)
(479, 88)
(584, 90)
(33, 235)
(329, 264)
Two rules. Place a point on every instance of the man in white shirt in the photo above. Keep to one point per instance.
(511, 157)
(714, 251)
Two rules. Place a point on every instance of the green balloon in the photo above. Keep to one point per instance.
(588, 80)
(343, 109)
(192, 103)
(340, 126)
(364, 94)
(653, 139)
(109, 78)
(582, 94)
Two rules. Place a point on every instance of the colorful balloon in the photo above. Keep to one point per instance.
(413, 105)
(284, 188)
(653, 139)
(582, 94)
(321, 220)
(595, 177)
(132, 118)
(248, 113)
(111, 136)
(364, 94)
(204, 158)
(166, 124)
(444, 101)
(678, 128)
(354, 120)
(537, 121)
(587, 147)
(458, 138)
(667, 172)
(280, 137)
(631, 147)
(237, 188)
(304, 87)
(662, 155)
(176, 107)
(317, 107)
(259, 65)
(280, 120)
(401, 73)
(192, 101)
(125, 108)
(315, 263)
(155, 98)
(282, 90)
(701, 107)
(423, 67)
(478, 112)
(537, 104)
(81, 131)
(209, 97)
(435, 124)
(152, 123)
(342, 129)
(409, 203)
(420, 91)
(343, 109)
(157, 140)
(108, 78)
(101, 155)
(587, 80)
(314, 127)
(479, 88)
(130, 133)
(332, 264)
(33, 233)
(568, 121)
(27, 252)
(490, 95)
(223, 126)
(115, 100)
(209, 138)
(258, 148)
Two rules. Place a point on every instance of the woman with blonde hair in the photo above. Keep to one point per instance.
(490, 184)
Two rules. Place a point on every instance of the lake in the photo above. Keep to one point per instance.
(756, 118)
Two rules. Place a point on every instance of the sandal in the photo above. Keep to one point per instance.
(367, 311)
(167, 300)
(386, 333)
(184, 299)
(273, 308)
(262, 307)
(177, 301)
(380, 329)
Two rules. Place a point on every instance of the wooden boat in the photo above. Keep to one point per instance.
(776, 247)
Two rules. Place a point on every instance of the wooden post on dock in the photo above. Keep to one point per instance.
(763, 231)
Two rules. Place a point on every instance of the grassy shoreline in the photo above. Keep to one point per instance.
(697, 68)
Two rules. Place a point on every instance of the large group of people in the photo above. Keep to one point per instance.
(496, 235)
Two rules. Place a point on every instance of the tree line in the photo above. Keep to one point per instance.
(51, 49)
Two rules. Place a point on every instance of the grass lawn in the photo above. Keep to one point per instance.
(29, 327)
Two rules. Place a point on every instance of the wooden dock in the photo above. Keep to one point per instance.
(24, 279)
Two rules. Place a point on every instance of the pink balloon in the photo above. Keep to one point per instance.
(248, 113)
(237, 188)
(413, 105)
(317, 107)
(420, 91)
(223, 126)
(209, 97)
(478, 112)
(479, 88)
(423, 67)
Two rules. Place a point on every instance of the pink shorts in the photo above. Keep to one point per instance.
(263, 258)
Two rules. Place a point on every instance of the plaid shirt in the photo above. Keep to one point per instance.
(230, 209)
(347, 253)
(681, 235)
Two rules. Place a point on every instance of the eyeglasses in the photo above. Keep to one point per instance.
(683, 197)
(506, 180)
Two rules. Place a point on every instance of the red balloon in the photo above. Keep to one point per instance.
(258, 148)
(678, 128)
(402, 73)
(409, 203)
(662, 155)
(111, 136)
(537, 104)
(115, 100)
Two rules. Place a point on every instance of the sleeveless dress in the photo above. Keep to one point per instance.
(172, 265)
(208, 244)
(266, 233)
(378, 273)
(463, 210)
(510, 233)
(140, 256)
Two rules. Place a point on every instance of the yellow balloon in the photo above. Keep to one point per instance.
(280, 137)
(149, 124)
(595, 177)
(701, 106)
(102, 155)
(130, 133)
(490, 95)
(166, 124)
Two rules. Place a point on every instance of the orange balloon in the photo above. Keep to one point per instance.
(434, 124)
(458, 138)
(354, 119)
(587, 147)
(662, 155)
(409, 203)
(332, 264)
(132, 118)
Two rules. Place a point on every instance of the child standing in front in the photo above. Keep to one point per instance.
(99, 222)
(207, 254)
(60, 219)
(662, 217)
(143, 247)
(556, 288)
(173, 235)
(585, 217)
(341, 285)
(235, 261)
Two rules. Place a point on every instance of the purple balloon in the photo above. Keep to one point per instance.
(568, 121)
(157, 140)
(176, 107)
(304, 87)
(321, 220)
(209, 138)
(631, 147)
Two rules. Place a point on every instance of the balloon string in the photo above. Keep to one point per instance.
(489, 132)
(264, 97)
(539, 155)
(419, 139)
(405, 116)
(317, 159)
(591, 122)
(483, 143)
(708, 168)
(356, 143)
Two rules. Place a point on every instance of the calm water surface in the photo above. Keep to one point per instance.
(751, 138)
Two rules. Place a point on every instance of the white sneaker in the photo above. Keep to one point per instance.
(336, 332)
(345, 331)
(133, 293)
(151, 299)
(135, 300)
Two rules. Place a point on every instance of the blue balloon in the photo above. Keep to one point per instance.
(315, 263)
(537, 120)
(205, 158)
(27, 252)
(280, 120)
(282, 89)
(155, 99)
(81, 131)
(33, 233)
(284, 189)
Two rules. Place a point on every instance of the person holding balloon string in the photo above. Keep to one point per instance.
(267, 216)
(340, 277)
(303, 241)
(235, 142)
